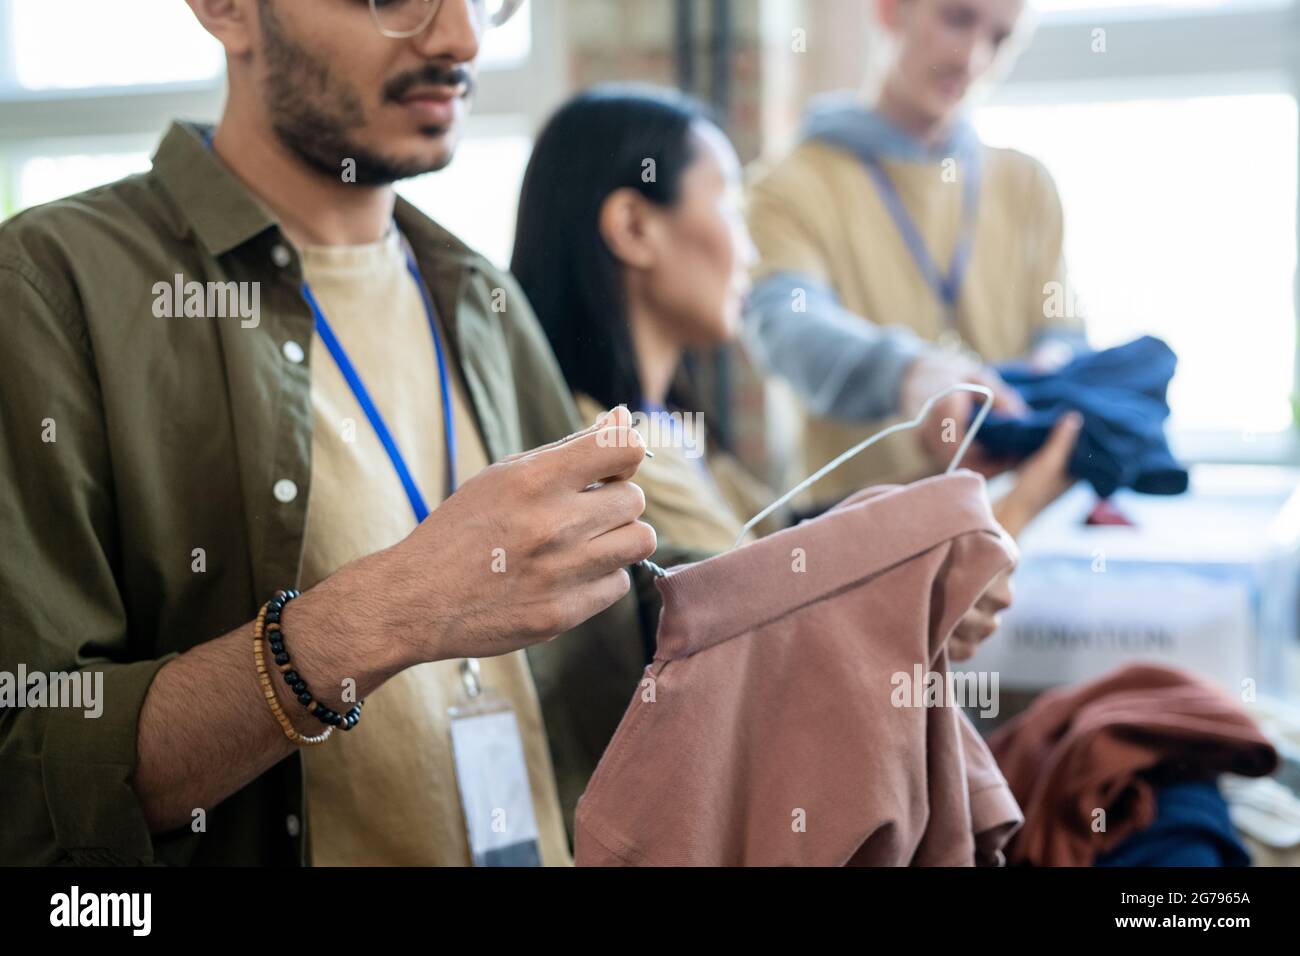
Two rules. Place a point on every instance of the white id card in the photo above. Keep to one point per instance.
(492, 777)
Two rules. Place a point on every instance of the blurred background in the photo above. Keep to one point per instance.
(1174, 118)
(1170, 127)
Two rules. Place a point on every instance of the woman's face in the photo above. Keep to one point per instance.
(700, 277)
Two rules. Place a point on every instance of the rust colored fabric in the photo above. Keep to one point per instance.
(1105, 745)
(765, 732)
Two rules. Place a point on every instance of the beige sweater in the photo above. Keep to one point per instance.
(818, 213)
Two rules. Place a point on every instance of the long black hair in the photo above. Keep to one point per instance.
(603, 140)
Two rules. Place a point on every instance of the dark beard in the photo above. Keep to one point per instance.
(313, 113)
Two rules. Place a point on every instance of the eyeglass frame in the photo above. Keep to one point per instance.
(509, 9)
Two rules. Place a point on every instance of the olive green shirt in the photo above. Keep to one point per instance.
(154, 478)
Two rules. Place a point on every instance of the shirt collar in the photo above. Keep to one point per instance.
(224, 215)
(216, 206)
(704, 605)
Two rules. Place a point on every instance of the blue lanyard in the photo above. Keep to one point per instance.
(363, 397)
(947, 287)
(368, 406)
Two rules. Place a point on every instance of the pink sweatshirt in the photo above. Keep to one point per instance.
(766, 731)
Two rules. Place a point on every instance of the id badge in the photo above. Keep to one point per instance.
(492, 777)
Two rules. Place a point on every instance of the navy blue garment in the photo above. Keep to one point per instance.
(1192, 828)
(1121, 393)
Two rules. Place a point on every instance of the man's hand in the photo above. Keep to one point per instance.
(523, 551)
(519, 554)
(981, 621)
(945, 426)
(1043, 477)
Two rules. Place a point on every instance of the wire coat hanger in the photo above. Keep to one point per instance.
(863, 446)
(856, 450)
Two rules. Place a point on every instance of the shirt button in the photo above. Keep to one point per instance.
(280, 255)
(292, 825)
(293, 352)
(285, 491)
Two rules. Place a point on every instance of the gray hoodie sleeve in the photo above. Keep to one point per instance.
(841, 365)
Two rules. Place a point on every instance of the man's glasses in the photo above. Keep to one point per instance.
(406, 18)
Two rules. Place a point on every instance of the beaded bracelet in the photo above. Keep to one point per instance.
(275, 639)
(264, 678)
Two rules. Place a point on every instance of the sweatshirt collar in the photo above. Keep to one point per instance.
(842, 120)
(870, 532)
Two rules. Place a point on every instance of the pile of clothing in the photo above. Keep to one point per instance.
(1122, 771)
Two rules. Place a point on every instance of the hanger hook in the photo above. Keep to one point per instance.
(863, 446)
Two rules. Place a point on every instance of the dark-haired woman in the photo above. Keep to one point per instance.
(631, 246)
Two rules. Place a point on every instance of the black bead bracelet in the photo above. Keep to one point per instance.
(294, 681)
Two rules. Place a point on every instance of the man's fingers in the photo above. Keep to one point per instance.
(612, 453)
(956, 406)
(981, 621)
(960, 649)
(1006, 400)
(602, 592)
(616, 417)
(973, 629)
(998, 596)
(611, 506)
(945, 426)
(600, 422)
(1065, 434)
(620, 548)
(1009, 542)
(982, 463)
(1045, 475)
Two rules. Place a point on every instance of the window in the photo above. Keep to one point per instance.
(1171, 129)
(1084, 7)
(63, 44)
(1182, 224)
(476, 197)
(87, 87)
(45, 178)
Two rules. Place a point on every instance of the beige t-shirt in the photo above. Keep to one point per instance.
(385, 793)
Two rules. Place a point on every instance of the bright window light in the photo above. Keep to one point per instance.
(1181, 222)
(509, 45)
(75, 44)
(1166, 6)
(66, 44)
(476, 197)
(45, 178)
